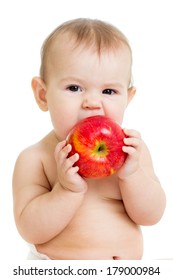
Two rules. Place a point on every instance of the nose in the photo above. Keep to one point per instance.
(92, 101)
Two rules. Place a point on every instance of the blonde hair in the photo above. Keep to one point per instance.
(89, 32)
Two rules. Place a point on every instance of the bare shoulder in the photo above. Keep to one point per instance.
(147, 162)
(29, 176)
(145, 154)
(28, 170)
(29, 167)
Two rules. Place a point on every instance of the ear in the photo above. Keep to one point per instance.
(39, 89)
(131, 94)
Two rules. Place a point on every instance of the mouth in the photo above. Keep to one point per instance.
(90, 115)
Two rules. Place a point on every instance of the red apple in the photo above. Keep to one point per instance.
(98, 140)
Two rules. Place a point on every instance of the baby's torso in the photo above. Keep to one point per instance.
(100, 229)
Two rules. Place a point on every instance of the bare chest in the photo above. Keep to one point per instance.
(107, 187)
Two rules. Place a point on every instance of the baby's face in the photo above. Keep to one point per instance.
(82, 84)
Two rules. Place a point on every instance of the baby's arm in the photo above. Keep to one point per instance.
(42, 212)
(142, 194)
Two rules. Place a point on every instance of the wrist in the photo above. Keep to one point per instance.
(70, 189)
(131, 176)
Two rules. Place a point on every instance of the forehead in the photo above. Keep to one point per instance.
(95, 35)
(98, 45)
(86, 64)
(64, 45)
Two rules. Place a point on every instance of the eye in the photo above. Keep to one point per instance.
(109, 91)
(74, 88)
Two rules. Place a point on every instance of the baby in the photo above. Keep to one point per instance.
(85, 71)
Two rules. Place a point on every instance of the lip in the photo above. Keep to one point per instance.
(90, 115)
(80, 119)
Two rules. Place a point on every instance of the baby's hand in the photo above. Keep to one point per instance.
(133, 147)
(67, 174)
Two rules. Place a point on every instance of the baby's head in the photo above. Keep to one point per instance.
(85, 70)
(88, 33)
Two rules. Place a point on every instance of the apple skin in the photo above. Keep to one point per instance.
(98, 140)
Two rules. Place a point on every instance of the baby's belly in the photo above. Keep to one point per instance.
(101, 230)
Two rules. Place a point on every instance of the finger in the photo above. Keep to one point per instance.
(66, 150)
(131, 151)
(69, 162)
(72, 171)
(62, 154)
(134, 142)
(60, 146)
(132, 133)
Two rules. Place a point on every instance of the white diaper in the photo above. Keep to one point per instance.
(35, 255)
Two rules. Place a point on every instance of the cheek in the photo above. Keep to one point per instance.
(62, 110)
(63, 117)
(116, 112)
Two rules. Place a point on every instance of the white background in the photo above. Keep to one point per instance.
(23, 27)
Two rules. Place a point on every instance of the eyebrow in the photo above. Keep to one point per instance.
(114, 84)
(72, 78)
